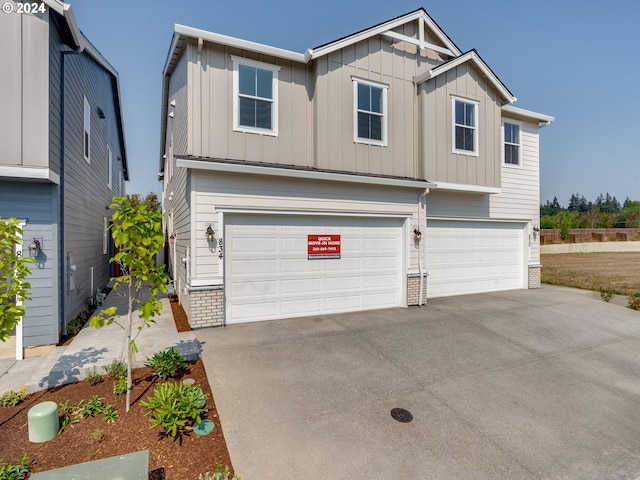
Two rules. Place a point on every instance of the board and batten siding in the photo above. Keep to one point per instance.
(437, 157)
(210, 114)
(87, 195)
(378, 60)
(217, 192)
(36, 203)
(24, 127)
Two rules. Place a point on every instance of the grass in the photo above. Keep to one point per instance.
(618, 272)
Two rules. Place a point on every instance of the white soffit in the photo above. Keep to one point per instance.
(460, 187)
(528, 114)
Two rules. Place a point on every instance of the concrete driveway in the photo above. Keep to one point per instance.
(515, 385)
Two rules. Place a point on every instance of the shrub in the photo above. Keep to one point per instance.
(116, 369)
(221, 473)
(18, 471)
(93, 377)
(13, 398)
(175, 407)
(75, 412)
(120, 386)
(166, 363)
(97, 435)
(607, 294)
(634, 301)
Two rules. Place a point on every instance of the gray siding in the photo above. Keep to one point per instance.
(37, 203)
(86, 194)
(24, 82)
(439, 161)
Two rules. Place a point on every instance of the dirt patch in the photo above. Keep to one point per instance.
(593, 271)
(179, 316)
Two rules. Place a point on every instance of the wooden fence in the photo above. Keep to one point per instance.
(548, 236)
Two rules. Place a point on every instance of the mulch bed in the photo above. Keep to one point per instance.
(94, 439)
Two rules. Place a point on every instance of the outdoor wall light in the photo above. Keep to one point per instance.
(100, 112)
(536, 229)
(34, 248)
(209, 233)
(417, 234)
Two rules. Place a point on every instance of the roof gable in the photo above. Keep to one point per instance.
(386, 29)
(472, 57)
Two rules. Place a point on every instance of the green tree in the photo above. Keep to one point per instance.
(631, 214)
(150, 200)
(137, 233)
(13, 274)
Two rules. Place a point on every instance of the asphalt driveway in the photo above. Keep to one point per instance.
(515, 385)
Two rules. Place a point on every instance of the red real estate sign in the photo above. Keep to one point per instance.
(323, 246)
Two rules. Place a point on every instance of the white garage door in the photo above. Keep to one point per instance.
(472, 257)
(268, 273)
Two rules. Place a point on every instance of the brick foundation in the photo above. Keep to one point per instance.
(205, 307)
(413, 289)
(534, 276)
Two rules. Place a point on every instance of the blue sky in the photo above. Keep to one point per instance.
(574, 60)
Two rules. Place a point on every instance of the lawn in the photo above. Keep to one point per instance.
(619, 272)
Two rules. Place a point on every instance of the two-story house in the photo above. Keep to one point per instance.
(378, 170)
(63, 158)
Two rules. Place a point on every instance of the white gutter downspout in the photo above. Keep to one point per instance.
(418, 236)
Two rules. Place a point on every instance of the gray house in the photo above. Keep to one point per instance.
(378, 170)
(63, 158)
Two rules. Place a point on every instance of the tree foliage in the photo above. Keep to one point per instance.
(150, 200)
(137, 235)
(604, 212)
(14, 269)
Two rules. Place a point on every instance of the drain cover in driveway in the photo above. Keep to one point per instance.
(401, 415)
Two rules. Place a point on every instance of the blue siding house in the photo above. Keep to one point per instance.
(63, 159)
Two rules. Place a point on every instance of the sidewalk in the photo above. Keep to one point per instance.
(96, 348)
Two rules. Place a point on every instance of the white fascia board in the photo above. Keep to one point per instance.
(239, 43)
(480, 65)
(30, 173)
(55, 5)
(305, 174)
(461, 187)
(528, 114)
(382, 28)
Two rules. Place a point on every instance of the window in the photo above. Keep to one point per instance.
(370, 118)
(255, 96)
(109, 167)
(511, 143)
(87, 130)
(465, 128)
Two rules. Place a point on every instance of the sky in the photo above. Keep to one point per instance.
(574, 60)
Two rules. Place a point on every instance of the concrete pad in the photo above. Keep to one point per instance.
(363, 441)
(449, 348)
(519, 384)
(295, 379)
(556, 423)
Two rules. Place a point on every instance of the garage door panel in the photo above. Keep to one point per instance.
(471, 257)
(301, 285)
(266, 259)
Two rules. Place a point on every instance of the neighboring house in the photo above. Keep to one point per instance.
(374, 171)
(63, 158)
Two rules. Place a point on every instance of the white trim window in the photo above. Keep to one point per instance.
(255, 96)
(109, 167)
(512, 146)
(370, 112)
(465, 126)
(86, 142)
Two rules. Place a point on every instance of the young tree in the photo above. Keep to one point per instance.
(137, 233)
(13, 272)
